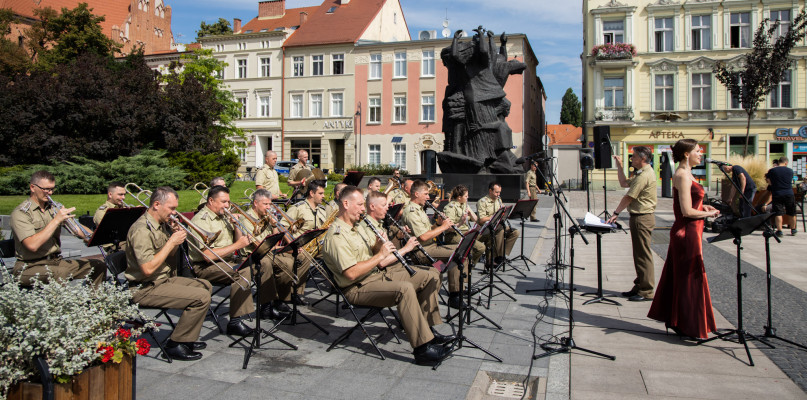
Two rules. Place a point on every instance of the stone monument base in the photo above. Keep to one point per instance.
(477, 184)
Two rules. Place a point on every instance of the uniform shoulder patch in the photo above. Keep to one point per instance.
(101, 208)
(299, 203)
(26, 205)
(204, 216)
(337, 229)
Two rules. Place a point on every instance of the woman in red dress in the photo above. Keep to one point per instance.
(682, 298)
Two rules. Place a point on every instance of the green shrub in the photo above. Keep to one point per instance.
(334, 177)
(204, 167)
(376, 169)
(149, 169)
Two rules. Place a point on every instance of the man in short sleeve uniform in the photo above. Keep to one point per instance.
(505, 237)
(455, 211)
(366, 272)
(37, 241)
(297, 176)
(640, 201)
(267, 178)
(532, 187)
(151, 270)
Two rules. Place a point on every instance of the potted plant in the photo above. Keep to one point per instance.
(614, 51)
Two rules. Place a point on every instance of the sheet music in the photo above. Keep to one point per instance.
(594, 221)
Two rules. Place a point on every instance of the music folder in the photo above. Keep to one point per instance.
(301, 240)
(115, 225)
(261, 250)
(353, 178)
(522, 208)
(462, 251)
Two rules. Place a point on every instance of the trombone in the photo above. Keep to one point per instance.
(193, 231)
(73, 226)
(202, 189)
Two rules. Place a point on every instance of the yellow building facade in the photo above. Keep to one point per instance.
(665, 89)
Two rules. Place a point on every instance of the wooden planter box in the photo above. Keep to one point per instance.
(108, 382)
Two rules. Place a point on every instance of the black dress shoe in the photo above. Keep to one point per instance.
(455, 300)
(428, 354)
(181, 352)
(196, 345)
(237, 327)
(630, 293)
(270, 312)
(298, 301)
(442, 339)
(639, 298)
(280, 306)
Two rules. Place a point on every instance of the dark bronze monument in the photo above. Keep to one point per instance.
(477, 138)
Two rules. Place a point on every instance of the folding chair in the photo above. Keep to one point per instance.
(116, 264)
(6, 251)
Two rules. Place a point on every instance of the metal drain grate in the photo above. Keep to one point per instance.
(509, 390)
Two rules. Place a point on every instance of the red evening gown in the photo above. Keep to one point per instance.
(682, 297)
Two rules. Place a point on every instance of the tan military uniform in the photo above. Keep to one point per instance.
(506, 237)
(454, 211)
(267, 177)
(415, 296)
(294, 172)
(642, 222)
(163, 288)
(28, 219)
(418, 222)
(313, 217)
(331, 208)
(532, 183)
(281, 265)
(240, 298)
(398, 196)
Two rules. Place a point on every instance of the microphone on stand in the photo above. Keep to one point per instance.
(716, 162)
(533, 157)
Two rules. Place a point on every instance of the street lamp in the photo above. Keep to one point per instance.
(358, 147)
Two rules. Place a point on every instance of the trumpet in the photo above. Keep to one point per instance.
(381, 237)
(200, 235)
(443, 216)
(73, 226)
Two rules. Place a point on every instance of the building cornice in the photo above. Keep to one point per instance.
(613, 7)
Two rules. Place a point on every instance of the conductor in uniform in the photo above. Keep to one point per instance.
(369, 274)
(532, 188)
(151, 269)
(505, 237)
(267, 176)
(37, 228)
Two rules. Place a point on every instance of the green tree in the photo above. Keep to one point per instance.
(13, 58)
(220, 27)
(764, 67)
(570, 109)
(200, 66)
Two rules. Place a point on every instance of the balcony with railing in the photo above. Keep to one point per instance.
(614, 114)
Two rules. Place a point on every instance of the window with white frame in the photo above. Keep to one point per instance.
(298, 65)
(242, 153)
(374, 109)
(242, 46)
(783, 17)
(375, 66)
(243, 102)
(337, 64)
(374, 153)
(265, 44)
(242, 68)
(427, 108)
(702, 91)
(614, 91)
(664, 34)
(613, 31)
(266, 67)
(265, 105)
(399, 109)
(740, 30)
(736, 101)
(780, 94)
(664, 92)
(399, 155)
(296, 106)
(701, 32)
(337, 104)
(219, 47)
(315, 109)
(400, 65)
(427, 63)
(317, 65)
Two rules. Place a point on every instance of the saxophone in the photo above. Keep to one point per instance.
(313, 246)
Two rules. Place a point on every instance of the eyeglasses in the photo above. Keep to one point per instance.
(50, 189)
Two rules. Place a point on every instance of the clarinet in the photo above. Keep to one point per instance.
(397, 255)
(431, 259)
(443, 216)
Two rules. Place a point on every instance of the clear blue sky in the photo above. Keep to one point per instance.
(554, 29)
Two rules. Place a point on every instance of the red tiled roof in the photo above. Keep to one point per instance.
(344, 25)
(290, 19)
(115, 12)
(564, 134)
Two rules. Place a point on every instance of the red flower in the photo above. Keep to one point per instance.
(143, 346)
(123, 333)
(107, 352)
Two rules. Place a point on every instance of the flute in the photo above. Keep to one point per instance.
(397, 255)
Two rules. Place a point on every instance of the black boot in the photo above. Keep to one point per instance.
(268, 311)
(428, 354)
(195, 345)
(181, 352)
(455, 299)
(441, 339)
(237, 327)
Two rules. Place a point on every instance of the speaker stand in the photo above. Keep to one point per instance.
(605, 215)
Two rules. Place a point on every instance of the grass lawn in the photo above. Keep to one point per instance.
(88, 203)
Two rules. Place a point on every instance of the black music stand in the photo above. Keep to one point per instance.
(599, 231)
(264, 248)
(395, 209)
(492, 224)
(115, 225)
(294, 247)
(353, 178)
(459, 257)
(521, 209)
(442, 205)
(739, 228)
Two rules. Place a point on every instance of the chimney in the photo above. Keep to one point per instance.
(236, 25)
(343, 2)
(271, 9)
(303, 17)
